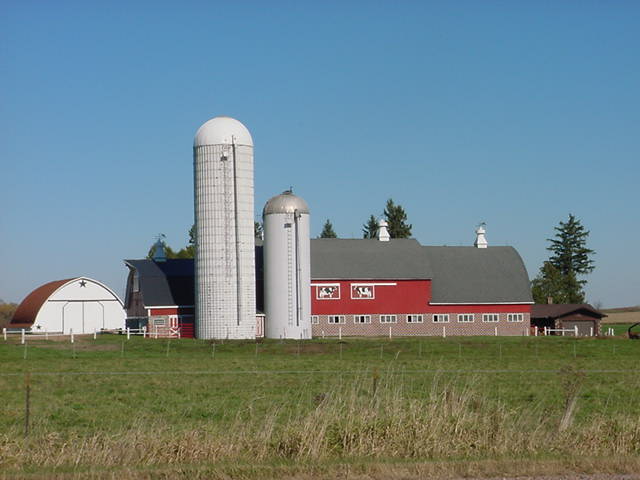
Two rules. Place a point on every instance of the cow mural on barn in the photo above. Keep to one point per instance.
(328, 292)
(362, 292)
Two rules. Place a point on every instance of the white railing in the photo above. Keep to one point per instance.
(574, 330)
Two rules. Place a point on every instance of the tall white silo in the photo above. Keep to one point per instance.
(287, 267)
(224, 263)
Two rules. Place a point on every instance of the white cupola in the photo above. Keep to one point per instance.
(383, 233)
(481, 241)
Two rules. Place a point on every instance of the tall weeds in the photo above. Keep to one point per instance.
(370, 416)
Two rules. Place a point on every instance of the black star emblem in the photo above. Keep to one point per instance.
(83, 283)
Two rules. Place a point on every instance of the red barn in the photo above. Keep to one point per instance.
(371, 288)
(365, 287)
(159, 297)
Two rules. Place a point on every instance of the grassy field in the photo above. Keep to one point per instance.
(375, 408)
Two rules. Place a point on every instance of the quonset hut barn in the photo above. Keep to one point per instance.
(314, 287)
(78, 305)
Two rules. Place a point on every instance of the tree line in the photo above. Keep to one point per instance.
(394, 215)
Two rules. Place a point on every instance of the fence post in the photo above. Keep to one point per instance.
(389, 333)
(95, 333)
(575, 329)
(339, 333)
(144, 332)
(545, 331)
(71, 332)
(591, 331)
(4, 334)
(22, 336)
(323, 334)
(27, 402)
(128, 333)
(496, 331)
(444, 332)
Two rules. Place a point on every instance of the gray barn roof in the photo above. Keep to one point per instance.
(370, 259)
(459, 274)
(168, 283)
(478, 275)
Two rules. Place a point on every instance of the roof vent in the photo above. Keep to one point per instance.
(159, 255)
(383, 233)
(481, 241)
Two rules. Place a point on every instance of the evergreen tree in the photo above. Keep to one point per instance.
(327, 230)
(558, 277)
(569, 247)
(397, 220)
(370, 229)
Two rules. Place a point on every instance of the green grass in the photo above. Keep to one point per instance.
(145, 394)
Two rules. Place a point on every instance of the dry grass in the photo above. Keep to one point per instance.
(622, 317)
(354, 424)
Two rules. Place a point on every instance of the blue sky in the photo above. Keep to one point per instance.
(512, 113)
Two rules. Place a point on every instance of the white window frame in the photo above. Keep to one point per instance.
(415, 318)
(159, 321)
(315, 319)
(515, 317)
(466, 318)
(339, 319)
(388, 319)
(366, 318)
(321, 285)
(440, 318)
(488, 317)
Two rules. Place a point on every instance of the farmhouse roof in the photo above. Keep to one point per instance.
(478, 275)
(168, 283)
(28, 309)
(368, 259)
(557, 310)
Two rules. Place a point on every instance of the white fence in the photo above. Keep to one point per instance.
(157, 333)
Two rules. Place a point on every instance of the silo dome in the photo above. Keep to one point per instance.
(221, 131)
(286, 202)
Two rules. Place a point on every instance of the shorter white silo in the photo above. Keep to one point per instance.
(287, 267)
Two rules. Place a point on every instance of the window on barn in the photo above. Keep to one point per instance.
(136, 282)
(414, 318)
(465, 317)
(515, 317)
(315, 320)
(388, 319)
(160, 322)
(335, 319)
(441, 318)
(490, 317)
(362, 319)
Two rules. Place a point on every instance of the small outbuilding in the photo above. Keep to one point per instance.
(567, 317)
(79, 305)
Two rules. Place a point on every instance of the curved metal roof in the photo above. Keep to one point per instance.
(222, 131)
(286, 202)
(28, 309)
